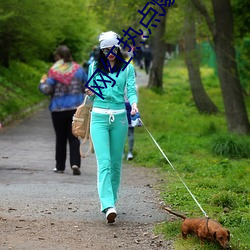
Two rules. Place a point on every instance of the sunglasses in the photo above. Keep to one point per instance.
(106, 51)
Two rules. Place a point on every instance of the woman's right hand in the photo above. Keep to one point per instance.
(89, 92)
(134, 109)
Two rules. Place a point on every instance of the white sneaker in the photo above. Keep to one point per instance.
(111, 214)
(58, 171)
(130, 156)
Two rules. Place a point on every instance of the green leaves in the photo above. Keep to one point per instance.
(117, 15)
(28, 33)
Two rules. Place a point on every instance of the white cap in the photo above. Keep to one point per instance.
(108, 39)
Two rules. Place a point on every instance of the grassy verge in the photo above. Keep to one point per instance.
(212, 163)
(19, 88)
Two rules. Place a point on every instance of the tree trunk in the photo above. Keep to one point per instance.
(159, 51)
(233, 97)
(201, 99)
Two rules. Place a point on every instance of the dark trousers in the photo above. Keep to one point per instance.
(147, 65)
(62, 122)
(131, 139)
(130, 129)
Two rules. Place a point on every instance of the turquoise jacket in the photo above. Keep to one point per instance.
(113, 97)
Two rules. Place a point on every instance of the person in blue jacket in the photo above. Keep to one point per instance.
(65, 84)
(109, 124)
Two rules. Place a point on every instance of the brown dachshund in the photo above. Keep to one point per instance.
(204, 229)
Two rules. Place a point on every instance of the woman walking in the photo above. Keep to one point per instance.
(65, 85)
(109, 123)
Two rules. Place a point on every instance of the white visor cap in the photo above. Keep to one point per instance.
(108, 39)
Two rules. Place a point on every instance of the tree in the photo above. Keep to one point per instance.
(159, 49)
(223, 37)
(28, 33)
(201, 99)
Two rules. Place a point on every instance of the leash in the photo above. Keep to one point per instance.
(174, 170)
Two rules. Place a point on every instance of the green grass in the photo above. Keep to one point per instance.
(214, 164)
(19, 87)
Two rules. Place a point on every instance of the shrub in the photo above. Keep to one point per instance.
(231, 146)
(224, 200)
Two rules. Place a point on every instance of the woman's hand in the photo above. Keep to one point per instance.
(89, 92)
(43, 79)
(134, 109)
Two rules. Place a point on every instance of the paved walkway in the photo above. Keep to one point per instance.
(26, 163)
(29, 189)
(141, 78)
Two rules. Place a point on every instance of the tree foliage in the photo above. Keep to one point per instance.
(117, 15)
(175, 25)
(242, 35)
(32, 32)
(241, 18)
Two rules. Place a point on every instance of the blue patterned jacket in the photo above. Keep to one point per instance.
(65, 97)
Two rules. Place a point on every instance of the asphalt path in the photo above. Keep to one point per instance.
(31, 190)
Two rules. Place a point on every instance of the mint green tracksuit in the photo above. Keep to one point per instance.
(109, 131)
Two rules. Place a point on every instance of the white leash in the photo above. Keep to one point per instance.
(174, 169)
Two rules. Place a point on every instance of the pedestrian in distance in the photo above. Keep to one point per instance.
(138, 58)
(93, 55)
(131, 129)
(147, 54)
(109, 125)
(65, 84)
(130, 133)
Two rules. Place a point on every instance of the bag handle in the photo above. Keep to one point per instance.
(85, 99)
(83, 155)
(85, 139)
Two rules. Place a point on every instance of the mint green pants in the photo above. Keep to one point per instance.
(108, 136)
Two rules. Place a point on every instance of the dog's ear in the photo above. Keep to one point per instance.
(228, 237)
(214, 235)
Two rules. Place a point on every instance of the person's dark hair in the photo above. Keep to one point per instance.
(119, 64)
(63, 52)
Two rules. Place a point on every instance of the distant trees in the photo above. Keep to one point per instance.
(222, 29)
(219, 19)
(32, 29)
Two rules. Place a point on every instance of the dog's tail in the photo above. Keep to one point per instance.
(175, 213)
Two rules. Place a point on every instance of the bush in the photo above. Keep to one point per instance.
(231, 146)
(223, 200)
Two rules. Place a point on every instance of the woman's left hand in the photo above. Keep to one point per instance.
(89, 92)
(134, 109)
